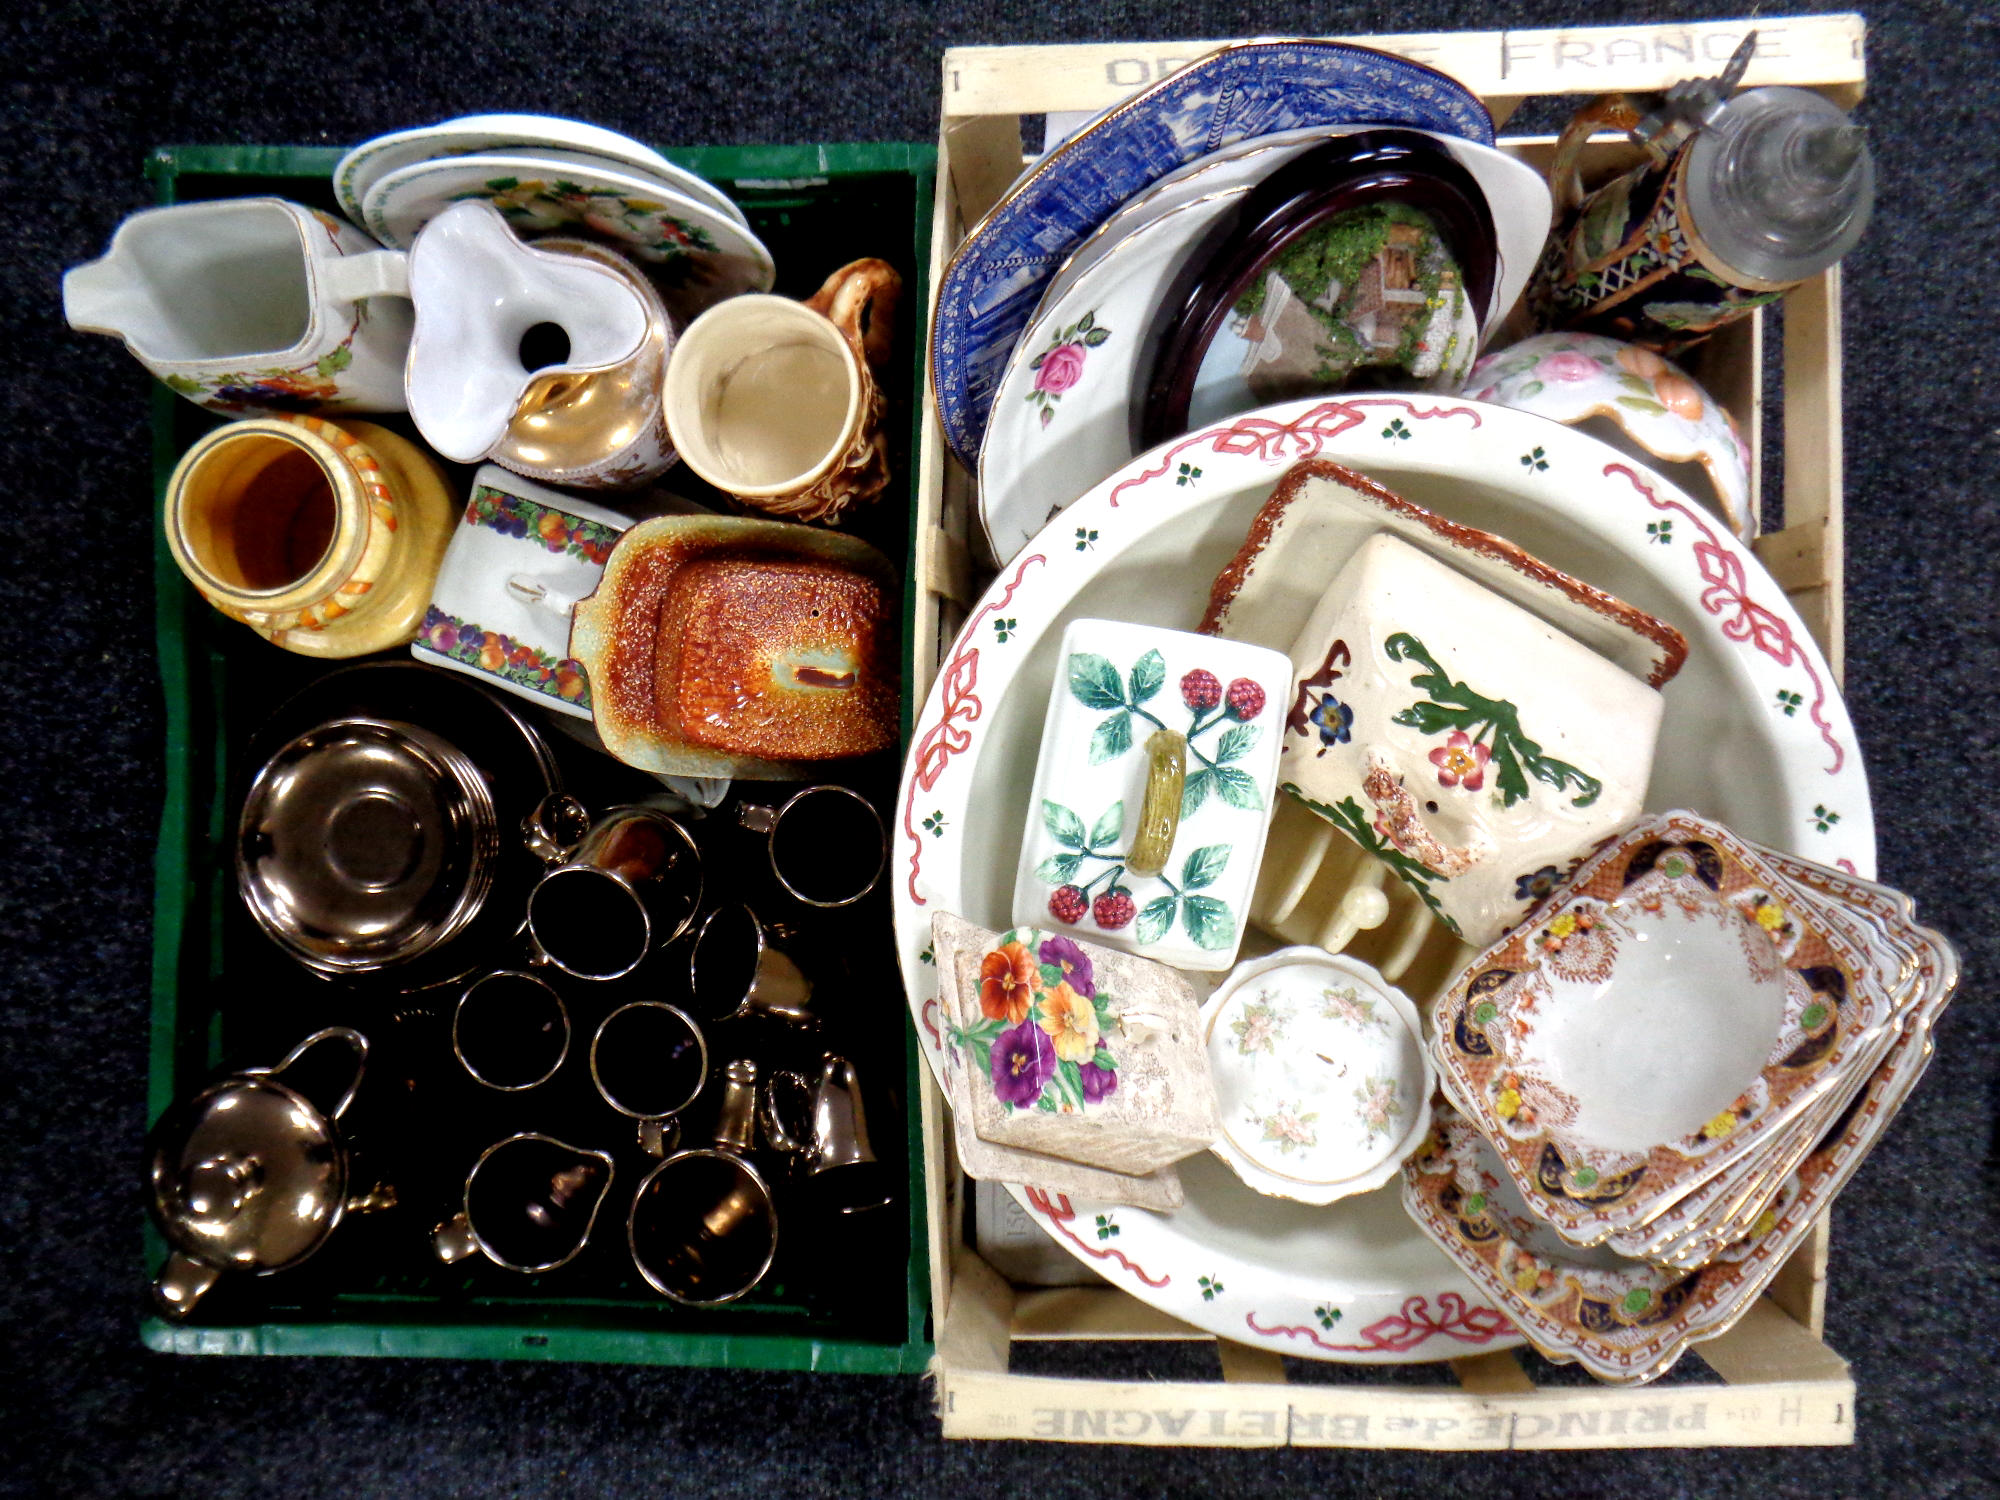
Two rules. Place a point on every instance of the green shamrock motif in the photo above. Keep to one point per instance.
(1788, 703)
(934, 822)
(1211, 1287)
(1085, 538)
(1004, 629)
(1660, 531)
(1534, 462)
(1328, 1316)
(1106, 1228)
(1823, 818)
(1396, 429)
(1187, 474)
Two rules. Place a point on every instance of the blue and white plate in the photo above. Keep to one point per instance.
(995, 280)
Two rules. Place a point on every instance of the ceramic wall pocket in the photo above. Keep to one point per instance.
(1320, 1073)
(777, 403)
(1072, 1050)
(250, 1176)
(593, 419)
(797, 620)
(251, 305)
(1321, 510)
(323, 537)
(1634, 400)
(1421, 730)
(1153, 791)
(519, 559)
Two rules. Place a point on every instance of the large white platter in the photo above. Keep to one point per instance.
(1754, 735)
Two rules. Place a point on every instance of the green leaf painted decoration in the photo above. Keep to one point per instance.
(1204, 866)
(1102, 1059)
(1108, 826)
(1155, 918)
(1112, 739)
(1148, 673)
(1058, 869)
(1194, 791)
(1095, 682)
(1650, 408)
(1453, 705)
(1238, 788)
(1233, 744)
(1064, 826)
(1208, 922)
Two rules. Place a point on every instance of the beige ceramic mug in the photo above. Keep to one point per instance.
(775, 401)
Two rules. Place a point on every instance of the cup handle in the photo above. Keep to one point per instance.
(556, 826)
(772, 1122)
(865, 289)
(658, 1137)
(374, 273)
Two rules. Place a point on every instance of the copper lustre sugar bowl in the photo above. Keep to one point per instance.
(250, 1176)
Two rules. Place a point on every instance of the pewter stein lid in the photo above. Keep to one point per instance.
(366, 842)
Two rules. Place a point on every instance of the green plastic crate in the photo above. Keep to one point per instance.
(816, 207)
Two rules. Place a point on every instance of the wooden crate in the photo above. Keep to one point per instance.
(1779, 1384)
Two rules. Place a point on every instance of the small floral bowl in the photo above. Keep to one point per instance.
(1320, 1073)
(1587, 380)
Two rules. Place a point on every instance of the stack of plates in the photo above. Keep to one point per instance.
(1084, 248)
(1660, 1079)
(552, 176)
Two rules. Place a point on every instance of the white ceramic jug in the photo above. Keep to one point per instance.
(252, 305)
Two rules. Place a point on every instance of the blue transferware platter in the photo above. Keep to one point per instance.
(996, 278)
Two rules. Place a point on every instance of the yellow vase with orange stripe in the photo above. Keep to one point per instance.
(323, 537)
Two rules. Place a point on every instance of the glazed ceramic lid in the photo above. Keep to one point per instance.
(249, 1176)
(1320, 1072)
(364, 843)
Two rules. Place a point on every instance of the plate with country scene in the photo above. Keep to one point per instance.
(697, 254)
(1754, 735)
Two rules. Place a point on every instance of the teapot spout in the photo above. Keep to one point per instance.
(182, 1283)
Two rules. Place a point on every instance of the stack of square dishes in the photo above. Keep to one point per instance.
(1660, 1078)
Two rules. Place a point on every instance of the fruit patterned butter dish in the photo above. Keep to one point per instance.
(1472, 747)
(1153, 791)
(1072, 1050)
(1320, 1072)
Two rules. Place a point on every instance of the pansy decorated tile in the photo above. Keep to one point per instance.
(1071, 1050)
(1153, 790)
(1320, 1074)
(1472, 747)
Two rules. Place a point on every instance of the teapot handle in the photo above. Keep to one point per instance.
(1605, 112)
(866, 288)
(346, 1034)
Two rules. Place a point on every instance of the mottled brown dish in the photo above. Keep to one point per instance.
(692, 608)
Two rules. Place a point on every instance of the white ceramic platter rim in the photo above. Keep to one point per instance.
(732, 239)
(1725, 600)
(372, 160)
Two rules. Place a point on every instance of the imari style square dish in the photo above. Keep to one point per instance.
(1129, 695)
(1144, 545)
(1472, 748)
(520, 557)
(1320, 1068)
(996, 278)
(1074, 1051)
(1764, 1009)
